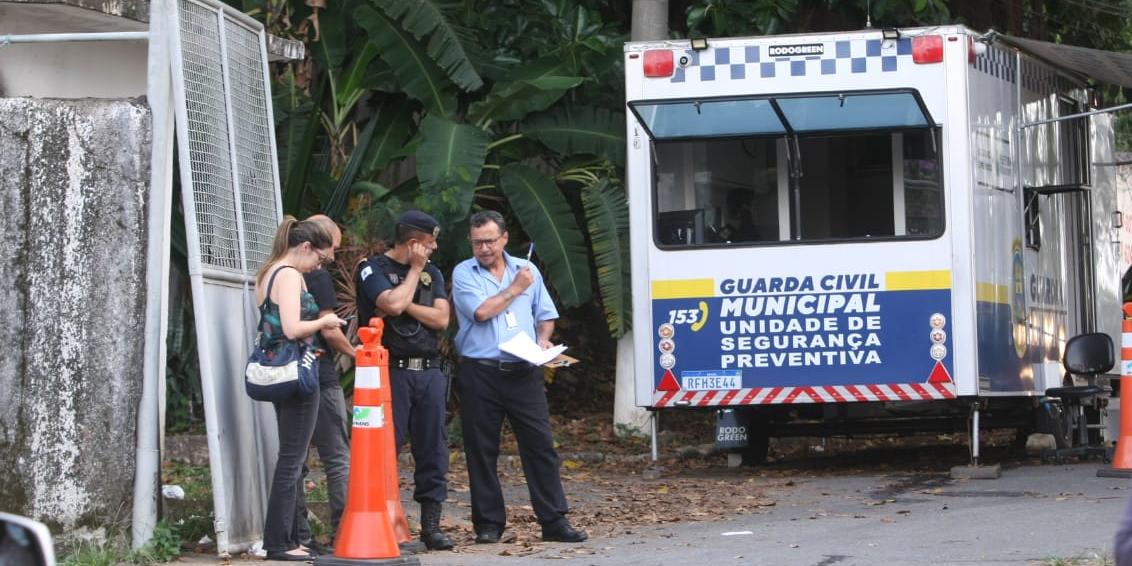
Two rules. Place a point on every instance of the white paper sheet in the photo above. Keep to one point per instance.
(523, 347)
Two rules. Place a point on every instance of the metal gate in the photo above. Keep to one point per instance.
(230, 187)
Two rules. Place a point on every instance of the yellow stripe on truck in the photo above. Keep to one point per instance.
(683, 288)
(992, 293)
(917, 280)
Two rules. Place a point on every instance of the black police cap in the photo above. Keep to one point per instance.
(418, 220)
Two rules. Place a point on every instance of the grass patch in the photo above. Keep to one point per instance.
(195, 480)
(115, 549)
(1090, 559)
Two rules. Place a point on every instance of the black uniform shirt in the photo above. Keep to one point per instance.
(374, 282)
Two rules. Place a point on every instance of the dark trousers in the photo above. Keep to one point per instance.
(332, 439)
(488, 394)
(419, 411)
(295, 420)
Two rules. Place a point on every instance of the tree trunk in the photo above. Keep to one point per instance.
(650, 22)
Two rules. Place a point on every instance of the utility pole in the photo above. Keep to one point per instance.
(650, 22)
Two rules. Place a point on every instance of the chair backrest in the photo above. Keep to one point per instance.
(1089, 354)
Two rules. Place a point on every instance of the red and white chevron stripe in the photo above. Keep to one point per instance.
(815, 394)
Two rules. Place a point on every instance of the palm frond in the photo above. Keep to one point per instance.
(546, 217)
(607, 220)
(449, 161)
(571, 130)
(417, 73)
(446, 43)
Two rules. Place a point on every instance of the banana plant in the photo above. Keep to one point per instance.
(410, 93)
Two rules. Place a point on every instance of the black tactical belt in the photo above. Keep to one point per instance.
(415, 364)
(501, 365)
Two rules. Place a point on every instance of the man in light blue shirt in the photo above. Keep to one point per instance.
(498, 296)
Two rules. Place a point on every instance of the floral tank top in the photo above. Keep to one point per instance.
(271, 324)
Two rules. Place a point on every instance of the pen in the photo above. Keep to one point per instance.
(530, 251)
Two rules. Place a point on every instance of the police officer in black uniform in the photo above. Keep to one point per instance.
(408, 291)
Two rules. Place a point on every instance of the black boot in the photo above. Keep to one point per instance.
(431, 535)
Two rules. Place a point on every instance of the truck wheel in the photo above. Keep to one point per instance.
(758, 445)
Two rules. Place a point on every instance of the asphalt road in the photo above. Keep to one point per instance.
(1031, 515)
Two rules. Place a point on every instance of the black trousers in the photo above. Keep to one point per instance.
(295, 420)
(420, 406)
(487, 395)
(332, 439)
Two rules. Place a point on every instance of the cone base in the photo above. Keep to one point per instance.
(400, 523)
(1108, 473)
(336, 561)
(365, 535)
(1122, 456)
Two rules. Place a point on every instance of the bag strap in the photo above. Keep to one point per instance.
(271, 283)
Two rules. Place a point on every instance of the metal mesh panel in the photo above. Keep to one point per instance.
(254, 155)
(210, 164)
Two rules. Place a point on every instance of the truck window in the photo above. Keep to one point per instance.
(852, 186)
(806, 167)
(717, 191)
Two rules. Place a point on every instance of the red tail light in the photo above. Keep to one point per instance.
(927, 49)
(659, 63)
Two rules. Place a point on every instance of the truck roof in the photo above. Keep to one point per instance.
(1081, 63)
(787, 37)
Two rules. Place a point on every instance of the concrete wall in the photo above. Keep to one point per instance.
(74, 183)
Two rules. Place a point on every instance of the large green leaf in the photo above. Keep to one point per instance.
(292, 108)
(419, 76)
(548, 220)
(331, 48)
(353, 83)
(532, 88)
(569, 130)
(607, 219)
(446, 44)
(337, 202)
(298, 161)
(394, 126)
(449, 161)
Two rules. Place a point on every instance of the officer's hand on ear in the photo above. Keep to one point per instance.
(418, 255)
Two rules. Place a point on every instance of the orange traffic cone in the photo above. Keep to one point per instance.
(366, 534)
(392, 485)
(1122, 458)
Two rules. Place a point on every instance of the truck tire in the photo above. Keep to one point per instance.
(758, 445)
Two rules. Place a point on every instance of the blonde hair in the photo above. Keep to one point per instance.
(291, 233)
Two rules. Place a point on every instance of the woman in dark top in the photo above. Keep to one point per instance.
(291, 314)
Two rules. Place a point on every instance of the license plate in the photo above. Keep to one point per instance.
(715, 380)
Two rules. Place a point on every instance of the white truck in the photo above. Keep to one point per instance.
(881, 230)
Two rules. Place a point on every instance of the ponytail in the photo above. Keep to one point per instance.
(293, 233)
(278, 245)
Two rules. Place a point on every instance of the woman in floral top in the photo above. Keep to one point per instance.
(290, 314)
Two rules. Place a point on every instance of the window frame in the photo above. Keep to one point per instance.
(787, 126)
(935, 130)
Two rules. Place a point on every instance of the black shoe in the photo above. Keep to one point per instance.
(318, 549)
(488, 535)
(285, 556)
(411, 547)
(431, 535)
(561, 531)
(436, 540)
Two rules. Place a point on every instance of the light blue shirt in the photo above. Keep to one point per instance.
(472, 284)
